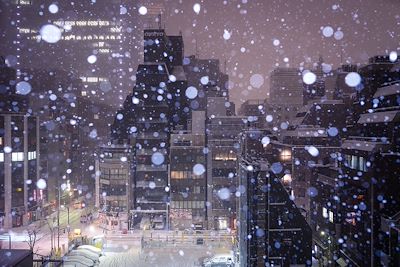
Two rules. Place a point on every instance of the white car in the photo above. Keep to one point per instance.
(91, 249)
(85, 253)
(220, 260)
(78, 260)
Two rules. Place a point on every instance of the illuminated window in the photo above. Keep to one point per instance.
(1, 157)
(286, 154)
(287, 179)
(224, 156)
(92, 79)
(83, 93)
(17, 156)
(324, 212)
(31, 155)
(362, 164)
(331, 216)
(354, 162)
(222, 223)
(1, 141)
(24, 2)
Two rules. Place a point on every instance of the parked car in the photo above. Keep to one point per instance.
(80, 260)
(219, 260)
(91, 249)
(85, 253)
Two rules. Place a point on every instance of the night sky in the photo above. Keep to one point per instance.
(369, 27)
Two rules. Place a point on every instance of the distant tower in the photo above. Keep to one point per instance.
(319, 70)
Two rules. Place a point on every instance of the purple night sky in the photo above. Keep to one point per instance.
(369, 28)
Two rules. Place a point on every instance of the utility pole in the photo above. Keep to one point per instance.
(68, 214)
(58, 220)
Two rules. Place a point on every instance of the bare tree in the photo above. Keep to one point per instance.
(33, 237)
(50, 224)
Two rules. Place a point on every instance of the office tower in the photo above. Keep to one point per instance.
(285, 96)
(359, 201)
(286, 87)
(316, 90)
(271, 229)
(254, 111)
(222, 159)
(96, 46)
(188, 176)
(147, 119)
(113, 185)
(22, 190)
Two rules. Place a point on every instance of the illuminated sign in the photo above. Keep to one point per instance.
(153, 34)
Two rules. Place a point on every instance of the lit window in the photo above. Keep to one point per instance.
(83, 93)
(17, 156)
(331, 216)
(287, 179)
(354, 162)
(362, 165)
(1, 157)
(286, 154)
(222, 223)
(31, 155)
(1, 141)
(324, 212)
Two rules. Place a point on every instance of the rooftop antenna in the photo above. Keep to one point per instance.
(197, 50)
(225, 65)
(159, 21)
(341, 53)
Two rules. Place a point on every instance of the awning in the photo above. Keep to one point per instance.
(360, 145)
(378, 117)
(393, 89)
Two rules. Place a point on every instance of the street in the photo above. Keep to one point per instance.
(135, 248)
(45, 240)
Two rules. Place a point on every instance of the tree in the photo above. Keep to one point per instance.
(33, 237)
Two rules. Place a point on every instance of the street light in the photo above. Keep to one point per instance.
(58, 216)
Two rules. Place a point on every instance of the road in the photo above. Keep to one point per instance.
(140, 248)
(47, 232)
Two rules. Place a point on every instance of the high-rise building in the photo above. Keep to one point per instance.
(149, 115)
(22, 190)
(285, 97)
(113, 186)
(222, 159)
(188, 175)
(286, 87)
(359, 200)
(271, 229)
(96, 46)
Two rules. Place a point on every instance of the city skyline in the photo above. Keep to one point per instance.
(254, 36)
(199, 133)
